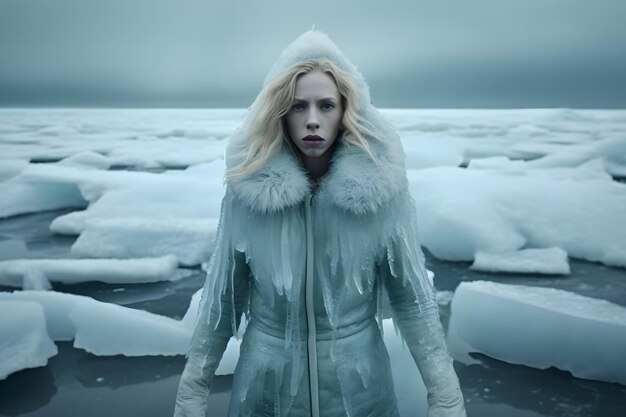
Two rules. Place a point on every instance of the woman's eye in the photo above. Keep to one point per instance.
(297, 107)
(328, 106)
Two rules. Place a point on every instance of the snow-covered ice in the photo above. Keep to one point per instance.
(24, 341)
(150, 138)
(465, 211)
(72, 271)
(534, 261)
(540, 327)
(190, 240)
(100, 328)
(535, 179)
(104, 328)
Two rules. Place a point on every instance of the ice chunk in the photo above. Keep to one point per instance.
(11, 167)
(228, 363)
(19, 197)
(172, 197)
(87, 159)
(540, 327)
(423, 151)
(190, 240)
(23, 194)
(71, 271)
(109, 329)
(444, 297)
(105, 328)
(535, 261)
(231, 355)
(25, 342)
(464, 211)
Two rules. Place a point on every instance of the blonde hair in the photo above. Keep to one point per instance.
(264, 131)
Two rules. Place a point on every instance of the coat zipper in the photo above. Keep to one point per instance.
(310, 313)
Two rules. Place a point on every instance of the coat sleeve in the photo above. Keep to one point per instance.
(416, 313)
(224, 299)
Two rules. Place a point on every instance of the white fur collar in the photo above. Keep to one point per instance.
(354, 182)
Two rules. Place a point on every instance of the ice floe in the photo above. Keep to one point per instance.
(465, 211)
(535, 261)
(540, 327)
(25, 342)
(13, 273)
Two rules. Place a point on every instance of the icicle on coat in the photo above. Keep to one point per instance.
(364, 240)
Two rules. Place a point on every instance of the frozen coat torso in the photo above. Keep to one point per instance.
(272, 377)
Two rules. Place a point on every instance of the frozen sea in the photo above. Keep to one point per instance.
(143, 184)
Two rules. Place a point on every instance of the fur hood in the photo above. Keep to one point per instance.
(354, 182)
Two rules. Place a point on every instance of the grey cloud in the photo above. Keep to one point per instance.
(481, 53)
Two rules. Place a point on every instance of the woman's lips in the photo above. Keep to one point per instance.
(313, 139)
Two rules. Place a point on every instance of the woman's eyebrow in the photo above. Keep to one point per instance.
(321, 99)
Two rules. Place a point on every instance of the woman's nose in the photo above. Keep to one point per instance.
(312, 125)
(312, 121)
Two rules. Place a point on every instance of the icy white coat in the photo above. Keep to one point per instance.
(308, 269)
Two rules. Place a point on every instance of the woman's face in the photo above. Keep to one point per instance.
(315, 115)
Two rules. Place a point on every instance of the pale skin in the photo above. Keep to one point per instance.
(316, 110)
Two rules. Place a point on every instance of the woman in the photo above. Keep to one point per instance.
(316, 222)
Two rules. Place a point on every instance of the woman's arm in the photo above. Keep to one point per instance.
(416, 313)
(227, 281)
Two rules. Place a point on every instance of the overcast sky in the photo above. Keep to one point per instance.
(413, 53)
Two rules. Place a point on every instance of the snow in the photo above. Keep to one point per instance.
(71, 271)
(25, 342)
(532, 261)
(540, 327)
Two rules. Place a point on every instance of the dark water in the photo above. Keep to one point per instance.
(76, 383)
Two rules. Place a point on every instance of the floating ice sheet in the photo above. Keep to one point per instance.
(106, 329)
(24, 339)
(540, 327)
(562, 195)
(534, 261)
(72, 271)
(190, 240)
(464, 211)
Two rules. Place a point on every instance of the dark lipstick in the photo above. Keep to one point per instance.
(313, 138)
